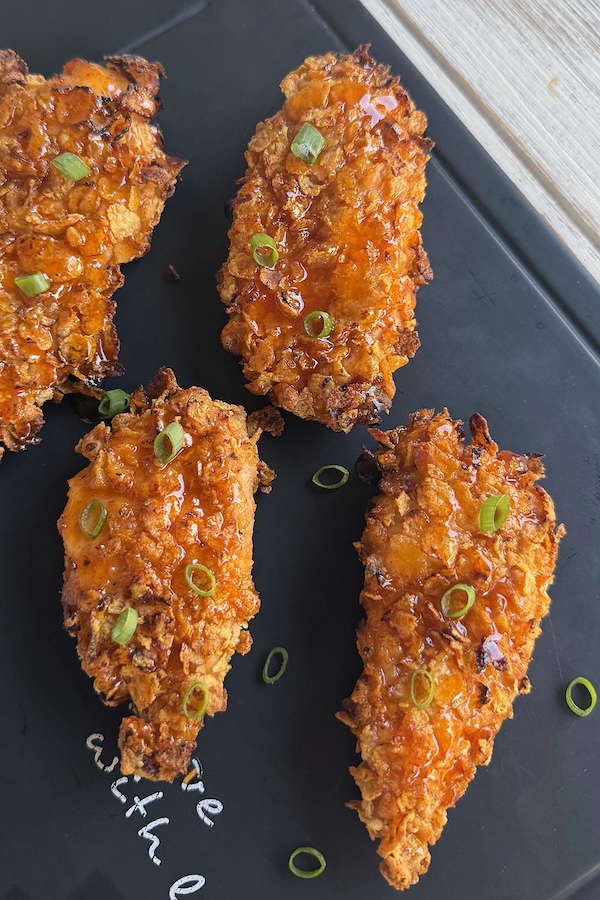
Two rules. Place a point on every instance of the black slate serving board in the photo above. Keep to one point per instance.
(510, 327)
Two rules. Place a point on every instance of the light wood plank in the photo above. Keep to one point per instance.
(524, 77)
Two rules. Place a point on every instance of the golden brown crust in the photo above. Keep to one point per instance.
(76, 233)
(347, 230)
(197, 509)
(422, 537)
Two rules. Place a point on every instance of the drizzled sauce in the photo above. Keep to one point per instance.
(369, 106)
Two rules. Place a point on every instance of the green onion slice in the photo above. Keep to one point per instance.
(189, 577)
(276, 651)
(578, 710)
(307, 873)
(94, 510)
(33, 284)
(494, 512)
(112, 403)
(122, 630)
(318, 324)
(308, 143)
(264, 250)
(205, 698)
(168, 442)
(424, 702)
(69, 165)
(344, 476)
(447, 607)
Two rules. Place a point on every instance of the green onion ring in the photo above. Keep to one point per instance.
(310, 325)
(124, 627)
(307, 144)
(345, 475)
(168, 442)
(271, 679)
(422, 704)
(71, 166)
(197, 567)
(92, 506)
(113, 403)
(32, 284)
(578, 710)
(494, 512)
(204, 704)
(303, 873)
(447, 601)
(260, 242)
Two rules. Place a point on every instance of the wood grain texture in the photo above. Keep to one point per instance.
(524, 77)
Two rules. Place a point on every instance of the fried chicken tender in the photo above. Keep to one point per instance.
(422, 537)
(347, 233)
(197, 509)
(76, 233)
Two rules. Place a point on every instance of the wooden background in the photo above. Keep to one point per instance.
(524, 77)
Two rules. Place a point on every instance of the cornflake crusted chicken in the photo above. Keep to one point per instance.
(197, 509)
(423, 537)
(346, 229)
(74, 233)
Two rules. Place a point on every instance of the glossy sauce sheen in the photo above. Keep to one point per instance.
(199, 508)
(422, 537)
(347, 233)
(76, 233)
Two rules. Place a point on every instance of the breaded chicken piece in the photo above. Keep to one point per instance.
(76, 233)
(196, 510)
(423, 537)
(347, 232)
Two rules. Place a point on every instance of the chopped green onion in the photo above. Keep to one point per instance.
(94, 508)
(264, 250)
(33, 284)
(112, 403)
(69, 165)
(212, 581)
(423, 703)
(494, 512)
(205, 698)
(308, 143)
(168, 442)
(578, 710)
(271, 679)
(307, 873)
(122, 630)
(344, 476)
(447, 601)
(318, 324)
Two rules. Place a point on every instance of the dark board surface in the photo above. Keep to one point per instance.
(509, 327)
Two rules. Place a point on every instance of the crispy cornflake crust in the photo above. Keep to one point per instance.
(347, 230)
(76, 233)
(422, 537)
(199, 508)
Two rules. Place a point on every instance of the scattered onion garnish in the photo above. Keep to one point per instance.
(579, 710)
(276, 651)
(307, 873)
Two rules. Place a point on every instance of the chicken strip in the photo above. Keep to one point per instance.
(439, 677)
(346, 232)
(72, 226)
(161, 519)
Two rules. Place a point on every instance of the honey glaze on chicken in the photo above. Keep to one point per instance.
(197, 509)
(75, 233)
(346, 230)
(423, 537)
